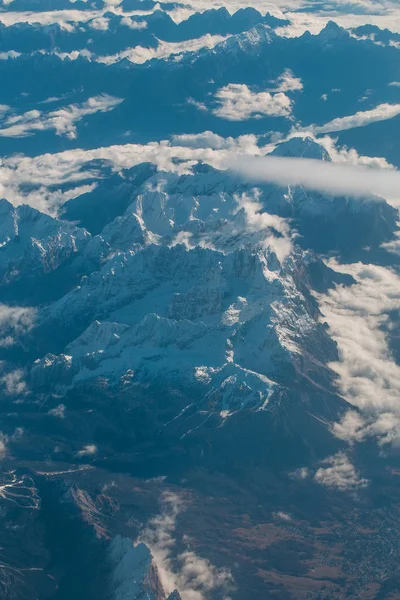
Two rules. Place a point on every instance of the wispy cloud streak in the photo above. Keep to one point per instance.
(319, 175)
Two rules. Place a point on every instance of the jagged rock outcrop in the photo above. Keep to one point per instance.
(33, 243)
(134, 573)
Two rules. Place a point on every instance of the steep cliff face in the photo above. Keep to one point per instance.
(134, 573)
(33, 244)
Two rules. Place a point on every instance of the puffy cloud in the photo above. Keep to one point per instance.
(14, 383)
(63, 120)
(368, 376)
(339, 473)
(263, 221)
(351, 428)
(137, 25)
(394, 245)
(59, 412)
(248, 144)
(88, 450)
(3, 445)
(282, 516)
(356, 316)
(287, 82)
(19, 318)
(195, 577)
(236, 102)
(395, 83)
(350, 155)
(9, 54)
(99, 23)
(299, 474)
(340, 154)
(14, 321)
(355, 427)
(382, 112)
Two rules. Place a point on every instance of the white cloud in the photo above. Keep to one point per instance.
(382, 112)
(59, 412)
(3, 445)
(99, 23)
(340, 474)
(137, 25)
(6, 342)
(88, 450)
(340, 154)
(320, 175)
(51, 99)
(18, 318)
(394, 245)
(163, 50)
(263, 221)
(18, 433)
(73, 55)
(14, 383)
(195, 577)
(282, 516)
(287, 82)
(244, 143)
(395, 84)
(384, 13)
(301, 21)
(51, 170)
(355, 427)
(9, 54)
(368, 376)
(14, 321)
(68, 17)
(350, 156)
(300, 474)
(62, 17)
(63, 120)
(236, 102)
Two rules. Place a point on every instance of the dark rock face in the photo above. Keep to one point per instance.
(175, 595)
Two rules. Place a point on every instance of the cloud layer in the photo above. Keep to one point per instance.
(44, 173)
(62, 121)
(369, 378)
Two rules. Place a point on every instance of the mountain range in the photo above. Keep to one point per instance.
(199, 317)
